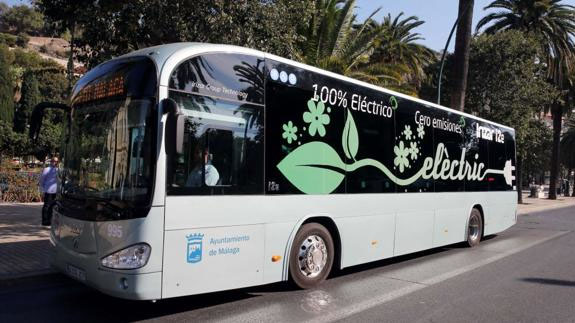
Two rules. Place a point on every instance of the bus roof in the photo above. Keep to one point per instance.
(166, 56)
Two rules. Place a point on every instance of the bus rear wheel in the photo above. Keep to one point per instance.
(474, 228)
(311, 257)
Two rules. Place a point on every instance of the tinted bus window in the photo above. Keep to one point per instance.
(413, 144)
(228, 76)
(510, 153)
(497, 160)
(448, 129)
(477, 157)
(304, 152)
(222, 96)
(223, 147)
(377, 139)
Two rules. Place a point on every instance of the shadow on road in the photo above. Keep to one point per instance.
(23, 257)
(400, 259)
(48, 298)
(547, 281)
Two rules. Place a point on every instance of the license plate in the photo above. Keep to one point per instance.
(76, 273)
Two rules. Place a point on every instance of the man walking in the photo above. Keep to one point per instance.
(49, 186)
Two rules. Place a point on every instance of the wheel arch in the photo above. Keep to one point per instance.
(479, 207)
(328, 222)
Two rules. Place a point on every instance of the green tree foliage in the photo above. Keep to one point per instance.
(553, 24)
(269, 25)
(28, 100)
(332, 42)
(8, 39)
(396, 46)
(508, 85)
(50, 85)
(535, 149)
(6, 90)
(568, 145)
(3, 8)
(21, 19)
(335, 42)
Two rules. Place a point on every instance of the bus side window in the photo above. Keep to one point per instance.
(223, 148)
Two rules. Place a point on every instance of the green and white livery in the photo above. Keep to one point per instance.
(191, 168)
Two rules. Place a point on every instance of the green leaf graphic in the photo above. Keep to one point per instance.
(350, 137)
(313, 168)
(393, 103)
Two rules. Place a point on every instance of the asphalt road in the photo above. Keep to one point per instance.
(524, 274)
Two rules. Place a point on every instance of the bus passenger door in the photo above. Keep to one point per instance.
(214, 239)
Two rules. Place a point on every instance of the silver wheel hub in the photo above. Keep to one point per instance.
(312, 256)
(474, 227)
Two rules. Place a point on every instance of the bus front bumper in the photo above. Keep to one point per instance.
(86, 268)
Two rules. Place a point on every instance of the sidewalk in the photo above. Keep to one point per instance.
(24, 243)
(531, 205)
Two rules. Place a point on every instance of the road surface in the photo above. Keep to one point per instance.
(526, 273)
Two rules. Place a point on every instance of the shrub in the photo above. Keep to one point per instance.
(19, 187)
(22, 40)
(8, 39)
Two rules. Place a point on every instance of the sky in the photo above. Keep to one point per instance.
(439, 15)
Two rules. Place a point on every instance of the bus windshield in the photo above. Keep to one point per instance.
(108, 156)
(108, 161)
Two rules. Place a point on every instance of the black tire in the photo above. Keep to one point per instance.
(474, 228)
(304, 277)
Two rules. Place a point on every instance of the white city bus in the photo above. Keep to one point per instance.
(192, 168)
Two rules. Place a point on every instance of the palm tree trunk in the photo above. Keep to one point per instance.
(461, 57)
(568, 187)
(518, 181)
(70, 67)
(557, 112)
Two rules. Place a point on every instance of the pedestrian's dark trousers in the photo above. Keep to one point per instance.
(46, 209)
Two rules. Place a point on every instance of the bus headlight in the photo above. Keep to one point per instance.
(133, 257)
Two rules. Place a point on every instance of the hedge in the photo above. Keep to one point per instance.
(19, 187)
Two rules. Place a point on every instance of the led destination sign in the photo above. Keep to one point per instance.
(101, 90)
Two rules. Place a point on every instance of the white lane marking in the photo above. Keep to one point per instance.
(365, 305)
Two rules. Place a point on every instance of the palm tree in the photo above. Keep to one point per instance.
(396, 47)
(331, 40)
(336, 43)
(553, 24)
(461, 55)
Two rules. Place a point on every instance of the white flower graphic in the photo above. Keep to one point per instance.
(407, 132)
(401, 153)
(420, 131)
(414, 150)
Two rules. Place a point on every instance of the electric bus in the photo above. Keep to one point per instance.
(191, 168)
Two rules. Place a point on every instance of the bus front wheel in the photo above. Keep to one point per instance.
(311, 257)
(474, 228)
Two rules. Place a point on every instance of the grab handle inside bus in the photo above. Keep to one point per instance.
(175, 124)
(38, 115)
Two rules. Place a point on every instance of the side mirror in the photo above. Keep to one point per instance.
(38, 115)
(175, 124)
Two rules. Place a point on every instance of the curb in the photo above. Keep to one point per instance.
(543, 209)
